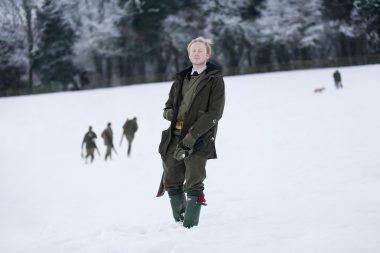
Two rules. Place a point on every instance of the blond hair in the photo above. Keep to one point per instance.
(207, 42)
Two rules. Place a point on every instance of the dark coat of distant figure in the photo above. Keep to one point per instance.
(129, 129)
(107, 135)
(337, 80)
(89, 140)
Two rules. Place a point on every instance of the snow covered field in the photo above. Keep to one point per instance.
(297, 172)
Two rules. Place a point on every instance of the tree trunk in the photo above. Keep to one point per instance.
(28, 15)
(99, 77)
(109, 71)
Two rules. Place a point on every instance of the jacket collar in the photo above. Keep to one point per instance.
(210, 67)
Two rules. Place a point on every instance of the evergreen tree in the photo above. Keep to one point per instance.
(252, 9)
(147, 23)
(13, 48)
(338, 28)
(54, 55)
(338, 10)
(12, 61)
(181, 26)
(126, 35)
(366, 18)
(96, 47)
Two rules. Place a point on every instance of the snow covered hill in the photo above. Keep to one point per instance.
(297, 171)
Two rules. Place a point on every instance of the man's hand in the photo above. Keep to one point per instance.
(168, 114)
(185, 147)
(188, 141)
(181, 152)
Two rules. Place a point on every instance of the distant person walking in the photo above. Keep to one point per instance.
(337, 80)
(89, 140)
(129, 129)
(107, 136)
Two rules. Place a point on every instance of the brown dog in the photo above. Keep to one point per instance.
(319, 90)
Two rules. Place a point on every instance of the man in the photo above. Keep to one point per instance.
(129, 129)
(89, 140)
(107, 135)
(195, 105)
(337, 80)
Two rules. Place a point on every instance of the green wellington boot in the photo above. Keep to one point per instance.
(178, 203)
(193, 210)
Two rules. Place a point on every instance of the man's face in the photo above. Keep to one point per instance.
(198, 54)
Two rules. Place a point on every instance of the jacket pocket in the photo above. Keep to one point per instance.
(164, 142)
(203, 142)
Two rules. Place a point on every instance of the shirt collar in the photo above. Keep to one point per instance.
(200, 70)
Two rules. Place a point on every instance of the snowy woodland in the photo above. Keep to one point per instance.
(54, 45)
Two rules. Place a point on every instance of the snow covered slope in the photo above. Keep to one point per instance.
(297, 171)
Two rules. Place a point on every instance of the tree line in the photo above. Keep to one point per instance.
(58, 45)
